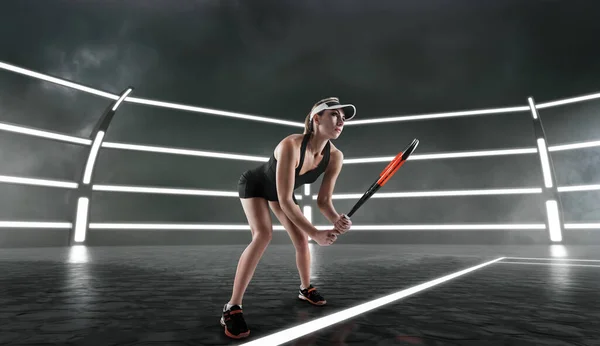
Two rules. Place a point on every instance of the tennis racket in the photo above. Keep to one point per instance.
(385, 176)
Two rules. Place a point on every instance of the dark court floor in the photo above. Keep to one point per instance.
(174, 295)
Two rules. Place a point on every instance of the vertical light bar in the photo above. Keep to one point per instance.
(553, 221)
(532, 108)
(85, 188)
(308, 215)
(83, 204)
(542, 149)
(308, 212)
(121, 98)
(545, 162)
(550, 192)
(102, 127)
(89, 166)
(307, 190)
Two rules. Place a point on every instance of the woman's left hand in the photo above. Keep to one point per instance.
(343, 224)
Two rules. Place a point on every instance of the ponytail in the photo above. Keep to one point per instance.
(308, 125)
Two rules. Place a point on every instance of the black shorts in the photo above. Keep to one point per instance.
(253, 183)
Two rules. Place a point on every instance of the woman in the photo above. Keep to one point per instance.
(297, 160)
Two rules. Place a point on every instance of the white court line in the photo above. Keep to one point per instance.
(554, 264)
(290, 334)
(553, 259)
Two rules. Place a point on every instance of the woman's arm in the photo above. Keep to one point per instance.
(286, 171)
(327, 185)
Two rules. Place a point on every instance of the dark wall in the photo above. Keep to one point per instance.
(276, 58)
(34, 157)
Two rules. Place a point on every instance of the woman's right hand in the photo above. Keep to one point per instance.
(325, 238)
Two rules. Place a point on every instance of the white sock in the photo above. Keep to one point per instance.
(303, 288)
(230, 305)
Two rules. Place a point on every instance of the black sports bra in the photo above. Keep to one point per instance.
(309, 177)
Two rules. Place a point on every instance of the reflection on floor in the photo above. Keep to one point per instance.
(173, 295)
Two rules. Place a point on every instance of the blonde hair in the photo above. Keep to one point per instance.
(308, 124)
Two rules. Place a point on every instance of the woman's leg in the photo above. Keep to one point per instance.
(261, 225)
(300, 240)
(257, 212)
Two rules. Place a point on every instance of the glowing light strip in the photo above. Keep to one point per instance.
(44, 134)
(197, 192)
(308, 213)
(58, 81)
(582, 225)
(576, 188)
(168, 191)
(121, 98)
(567, 101)
(83, 204)
(159, 190)
(89, 166)
(545, 162)
(35, 224)
(144, 101)
(290, 334)
(37, 182)
(189, 152)
(432, 156)
(80, 87)
(203, 153)
(572, 146)
(182, 227)
(532, 108)
(482, 153)
(454, 155)
(552, 259)
(485, 192)
(212, 111)
(437, 115)
(215, 227)
(553, 221)
(554, 264)
(443, 227)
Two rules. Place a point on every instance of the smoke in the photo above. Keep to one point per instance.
(105, 64)
(109, 66)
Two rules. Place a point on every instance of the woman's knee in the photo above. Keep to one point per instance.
(257, 213)
(263, 237)
(301, 246)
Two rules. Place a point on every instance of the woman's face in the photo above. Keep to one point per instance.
(332, 122)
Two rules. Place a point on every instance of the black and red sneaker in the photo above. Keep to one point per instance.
(311, 295)
(234, 323)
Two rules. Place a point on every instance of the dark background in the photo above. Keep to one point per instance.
(276, 58)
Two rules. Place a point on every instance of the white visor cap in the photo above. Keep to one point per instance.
(334, 103)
